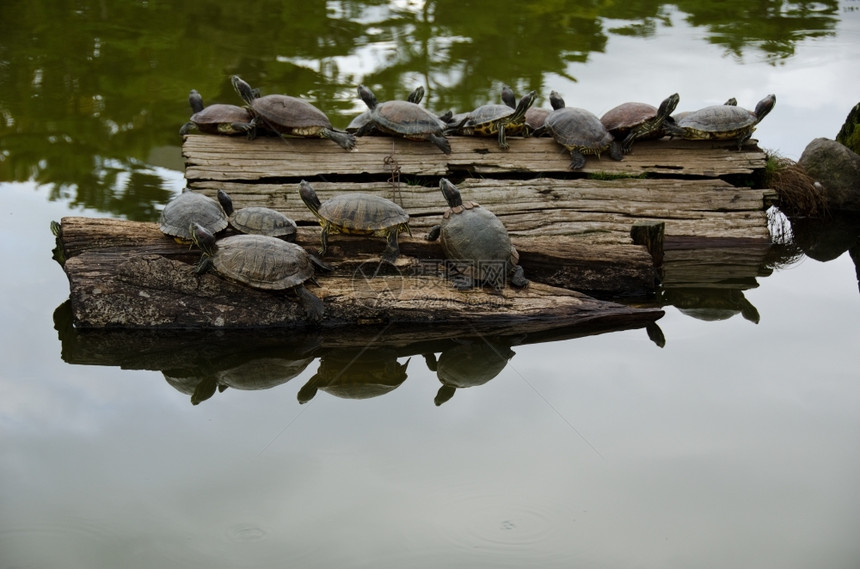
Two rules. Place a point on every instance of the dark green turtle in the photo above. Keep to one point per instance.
(215, 119)
(363, 119)
(498, 120)
(721, 122)
(358, 214)
(262, 262)
(476, 243)
(258, 220)
(628, 122)
(291, 116)
(188, 208)
(580, 132)
(402, 118)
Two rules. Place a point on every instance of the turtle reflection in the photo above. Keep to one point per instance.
(356, 373)
(245, 372)
(468, 363)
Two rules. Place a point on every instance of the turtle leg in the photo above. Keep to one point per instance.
(392, 251)
(577, 159)
(503, 141)
(434, 233)
(517, 278)
(249, 128)
(343, 139)
(616, 151)
(324, 240)
(441, 142)
(313, 306)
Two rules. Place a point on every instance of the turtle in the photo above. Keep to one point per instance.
(187, 208)
(402, 118)
(580, 132)
(258, 220)
(721, 122)
(678, 116)
(629, 122)
(261, 262)
(219, 118)
(358, 213)
(363, 119)
(287, 115)
(497, 120)
(476, 243)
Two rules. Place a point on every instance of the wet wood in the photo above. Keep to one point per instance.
(129, 275)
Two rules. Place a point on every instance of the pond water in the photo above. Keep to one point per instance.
(734, 445)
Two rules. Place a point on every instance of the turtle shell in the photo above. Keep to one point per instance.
(263, 221)
(578, 129)
(536, 117)
(717, 121)
(219, 119)
(625, 117)
(262, 262)
(362, 213)
(191, 207)
(290, 115)
(475, 235)
(405, 119)
(483, 119)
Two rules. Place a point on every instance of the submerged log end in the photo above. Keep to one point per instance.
(650, 234)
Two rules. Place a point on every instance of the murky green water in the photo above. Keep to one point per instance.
(735, 445)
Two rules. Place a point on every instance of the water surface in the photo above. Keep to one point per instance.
(735, 445)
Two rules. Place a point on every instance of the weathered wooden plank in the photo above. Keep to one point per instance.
(545, 206)
(234, 158)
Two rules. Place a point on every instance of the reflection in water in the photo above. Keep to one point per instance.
(469, 363)
(352, 364)
(356, 373)
(828, 238)
(91, 93)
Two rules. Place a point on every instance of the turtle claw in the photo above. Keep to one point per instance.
(577, 160)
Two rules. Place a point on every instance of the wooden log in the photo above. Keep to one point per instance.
(129, 275)
(585, 265)
(222, 158)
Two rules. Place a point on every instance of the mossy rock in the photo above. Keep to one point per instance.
(849, 134)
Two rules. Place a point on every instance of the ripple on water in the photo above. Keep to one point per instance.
(245, 532)
(471, 517)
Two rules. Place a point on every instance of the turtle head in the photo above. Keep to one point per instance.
(508, 97)
(416, 95)
(243, 89)
(196, 101)
(203, 239)
(367, 96)
(225, 202)
(765, 106)
(524, 104)
(309, 196)
(556, 100)
(667, 107)
(451, 193)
